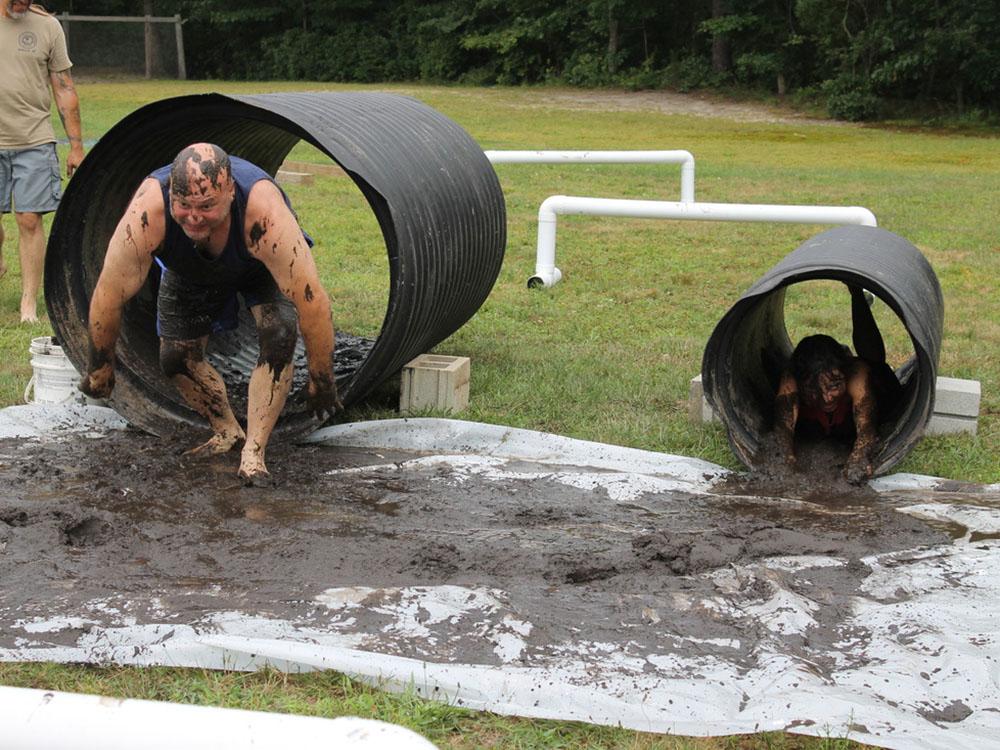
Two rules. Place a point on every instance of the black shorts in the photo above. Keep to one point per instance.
(187, 311)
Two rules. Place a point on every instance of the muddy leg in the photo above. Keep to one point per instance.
(270, 383)
(204, 390)
(866, 337)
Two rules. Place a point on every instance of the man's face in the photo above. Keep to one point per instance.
(18, 8)
(826, 390)
(203, 206)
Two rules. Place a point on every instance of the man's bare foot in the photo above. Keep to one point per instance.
(253, 472)
(29, 310)
(255, 476)
(858, 470)
(259, 479)
(217, 444)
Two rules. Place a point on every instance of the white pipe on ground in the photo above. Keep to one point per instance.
(684, 158)
(37, 719)
(547, 274)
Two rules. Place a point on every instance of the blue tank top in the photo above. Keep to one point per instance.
(179, 254)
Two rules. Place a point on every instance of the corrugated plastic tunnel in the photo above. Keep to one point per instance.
(435, 195)
(744, 356)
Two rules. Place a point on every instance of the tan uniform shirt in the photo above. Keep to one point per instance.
(30, 49)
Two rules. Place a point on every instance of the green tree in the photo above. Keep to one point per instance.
(860, 52)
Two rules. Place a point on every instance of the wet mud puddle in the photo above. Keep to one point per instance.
(128, 522)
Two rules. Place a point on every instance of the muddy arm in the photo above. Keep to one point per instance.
(786, 415)
(859, 388)
(275, 238)
(126, 265)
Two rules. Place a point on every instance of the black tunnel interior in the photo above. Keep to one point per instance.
(750, 345)
(435, 195)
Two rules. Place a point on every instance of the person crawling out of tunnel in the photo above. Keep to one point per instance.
(828, 392)
(217, 227)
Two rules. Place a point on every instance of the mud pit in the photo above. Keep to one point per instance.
(626, 581)
(127, 515)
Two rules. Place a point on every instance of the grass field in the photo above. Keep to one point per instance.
(607, 354)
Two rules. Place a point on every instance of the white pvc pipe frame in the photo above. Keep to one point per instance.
(684, 158)
(546, 272)
(50, 720)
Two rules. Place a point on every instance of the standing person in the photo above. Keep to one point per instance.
(217, 226)
(34, 60)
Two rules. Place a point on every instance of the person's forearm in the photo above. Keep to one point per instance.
(318, 334)
(105, 320)
(104, 327)
(68, 104)
(865, 424)
(69, 113)
(785, 435)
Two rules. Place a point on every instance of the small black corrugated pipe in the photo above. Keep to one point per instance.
(749, 347)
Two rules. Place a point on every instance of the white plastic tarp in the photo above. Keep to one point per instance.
(922, 672)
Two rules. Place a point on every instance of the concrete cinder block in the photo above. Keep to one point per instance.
(956, 406)
(957, 397)
(946, 424)
(435, 381)
(699, 411)
(284, 177)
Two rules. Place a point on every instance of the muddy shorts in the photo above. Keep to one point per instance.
(29, 179)
(186, 311)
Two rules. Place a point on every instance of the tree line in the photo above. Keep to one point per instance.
(857, 56)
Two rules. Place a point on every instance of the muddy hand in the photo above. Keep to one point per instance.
(322, 397)
(858, 469)
(99, 383)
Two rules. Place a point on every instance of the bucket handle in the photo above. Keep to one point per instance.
(31, 384)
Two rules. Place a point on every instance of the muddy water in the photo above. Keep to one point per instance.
(129, 516)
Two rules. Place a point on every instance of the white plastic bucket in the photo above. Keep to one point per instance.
(54, 379)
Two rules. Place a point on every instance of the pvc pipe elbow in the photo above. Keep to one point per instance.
(545, 278)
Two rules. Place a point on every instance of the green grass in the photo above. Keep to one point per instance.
(607, 354)
(329, 695)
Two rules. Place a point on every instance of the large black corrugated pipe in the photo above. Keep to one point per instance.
(435, 195)
(750, 345)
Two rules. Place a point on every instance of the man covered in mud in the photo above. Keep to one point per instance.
(827, 392)
(217, 226)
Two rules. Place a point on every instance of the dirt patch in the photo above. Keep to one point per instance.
(697, 104)
(129, 516)
(672, 103)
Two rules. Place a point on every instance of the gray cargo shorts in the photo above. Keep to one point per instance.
(29, 179)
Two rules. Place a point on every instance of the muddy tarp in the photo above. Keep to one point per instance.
(512, 571)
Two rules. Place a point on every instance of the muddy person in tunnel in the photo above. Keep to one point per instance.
(217, 226)
(827, 392)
